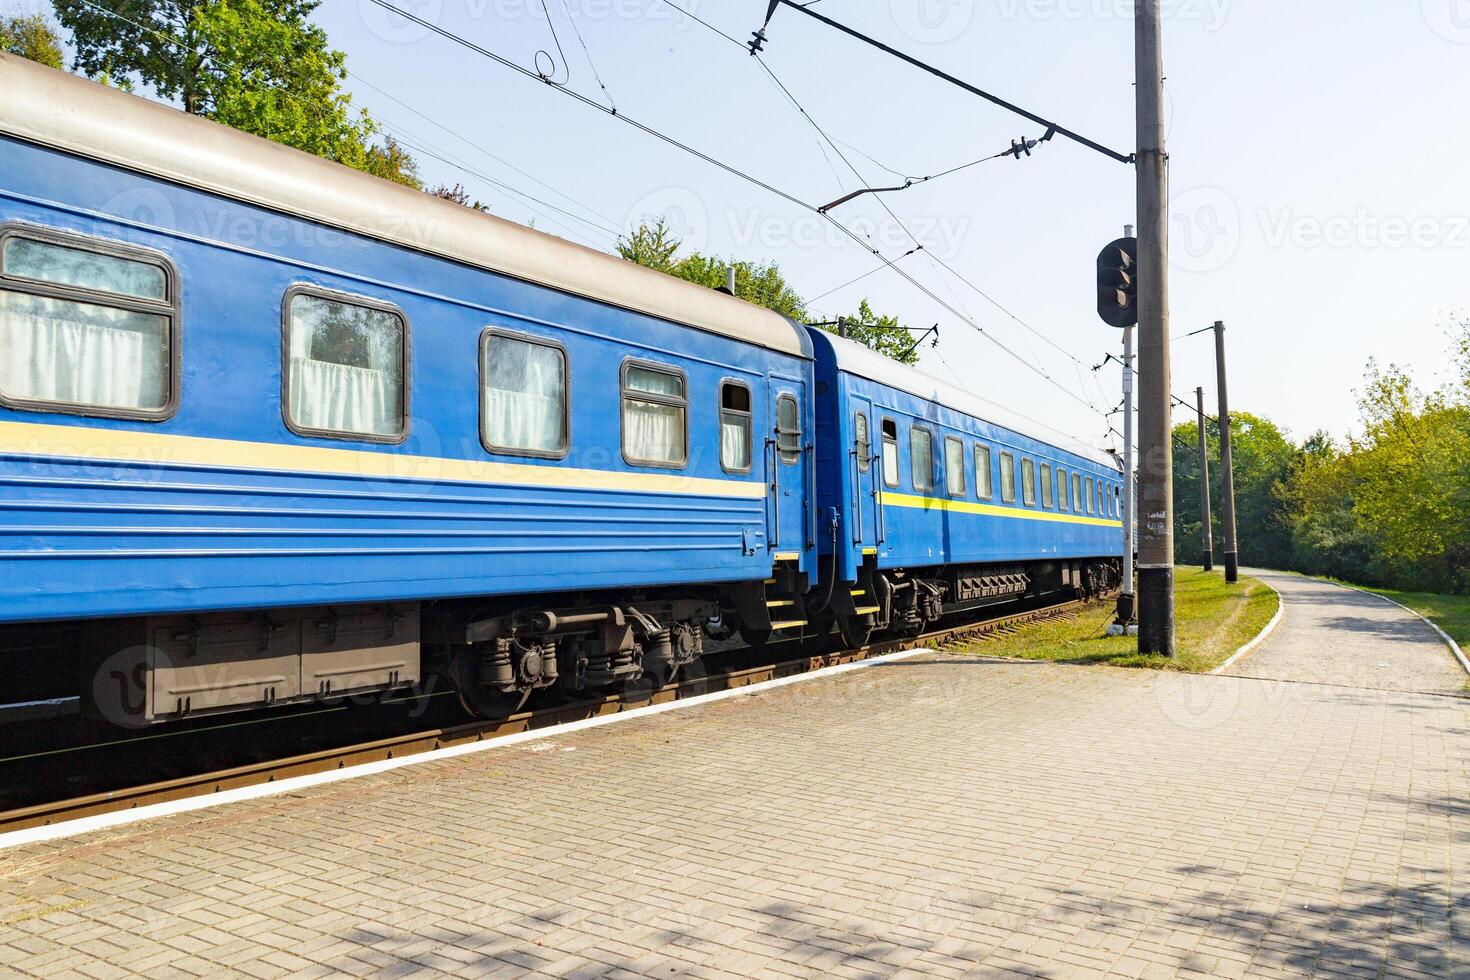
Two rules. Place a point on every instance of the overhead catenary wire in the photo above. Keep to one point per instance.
(607, 224)
(406, 137)
(1078, 363)
(733, 171)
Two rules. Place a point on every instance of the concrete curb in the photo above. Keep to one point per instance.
(1260, 638)
(1449, 641)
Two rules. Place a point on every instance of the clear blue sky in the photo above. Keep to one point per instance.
(1320, 200)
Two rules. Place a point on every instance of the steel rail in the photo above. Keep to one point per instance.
(398, 746)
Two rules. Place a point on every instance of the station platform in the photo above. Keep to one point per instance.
(931, 816)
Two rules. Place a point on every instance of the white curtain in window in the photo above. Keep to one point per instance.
(653, 433)
(328, 394)
(735, 442)
(78, 353)
(343, 398)
(522, 397)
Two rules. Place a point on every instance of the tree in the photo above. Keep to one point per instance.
(1328, 537)
(257, 65)
(653, 246)
(1392, 507)
(883, 334)
(459, 196)
(1263, 459)
(762, 283)
(31, 37)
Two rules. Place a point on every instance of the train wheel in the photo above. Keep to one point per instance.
(855, 631)
(489, 703)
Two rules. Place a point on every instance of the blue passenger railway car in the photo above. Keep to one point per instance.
(939, 502)
(274, 431)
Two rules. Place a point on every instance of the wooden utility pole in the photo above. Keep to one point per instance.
(1204, 484)
(1227, 469)
(1156, 464)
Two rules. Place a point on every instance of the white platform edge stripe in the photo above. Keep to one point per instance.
(1449, 641)
(73, 828)
(1260, 637)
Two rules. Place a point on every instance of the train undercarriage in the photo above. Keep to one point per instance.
(145, 671)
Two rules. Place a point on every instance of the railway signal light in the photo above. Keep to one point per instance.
(1117, 283)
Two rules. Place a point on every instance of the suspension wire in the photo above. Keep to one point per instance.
(1178, 402)
(565, 65)
(590, 63)
(929, 254)
(610, 225)
(821, 296)
(735, 172)
(415, 142)
(1077, 362)
(759, 40)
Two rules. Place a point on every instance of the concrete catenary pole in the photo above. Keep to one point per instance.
(1206, 531)
(1156, 464)
(1227, 469)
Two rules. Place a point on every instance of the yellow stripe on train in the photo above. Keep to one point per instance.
(992, 510)
(157, 448)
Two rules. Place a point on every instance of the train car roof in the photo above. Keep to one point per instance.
(855, 358)
(57, 109)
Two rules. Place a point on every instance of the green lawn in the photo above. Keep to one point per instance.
(1212, 621)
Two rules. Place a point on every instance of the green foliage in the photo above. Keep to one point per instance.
(652, 245)
(31, 37)
(883, 334)
(1390, 508)
(257, 65)
(1263, 459)
(458, 195)
(762, 283)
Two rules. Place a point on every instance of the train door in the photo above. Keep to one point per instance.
(788, 469)
(863, 473)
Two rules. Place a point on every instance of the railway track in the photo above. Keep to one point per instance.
(415, 743)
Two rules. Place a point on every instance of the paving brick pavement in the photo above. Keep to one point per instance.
(941, 817)
(1333, 635)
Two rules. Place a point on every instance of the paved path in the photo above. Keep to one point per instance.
(1333, 635)
(936, 817)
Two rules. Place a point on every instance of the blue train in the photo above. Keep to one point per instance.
(272, 431)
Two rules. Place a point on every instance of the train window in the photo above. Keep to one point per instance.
(345, 361)
(1077, 503)
(523, 395)
(735, 437)
(1061, 489)
(1091, 499)
(87, 327)
(863, 441)
(1028, 482)
(890, 453)
(788, 430)
(1048, 489)
(921, 458)
(954, 466)
(1117, 501)
(984, 485)
(655, 415)
(1007, 478)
